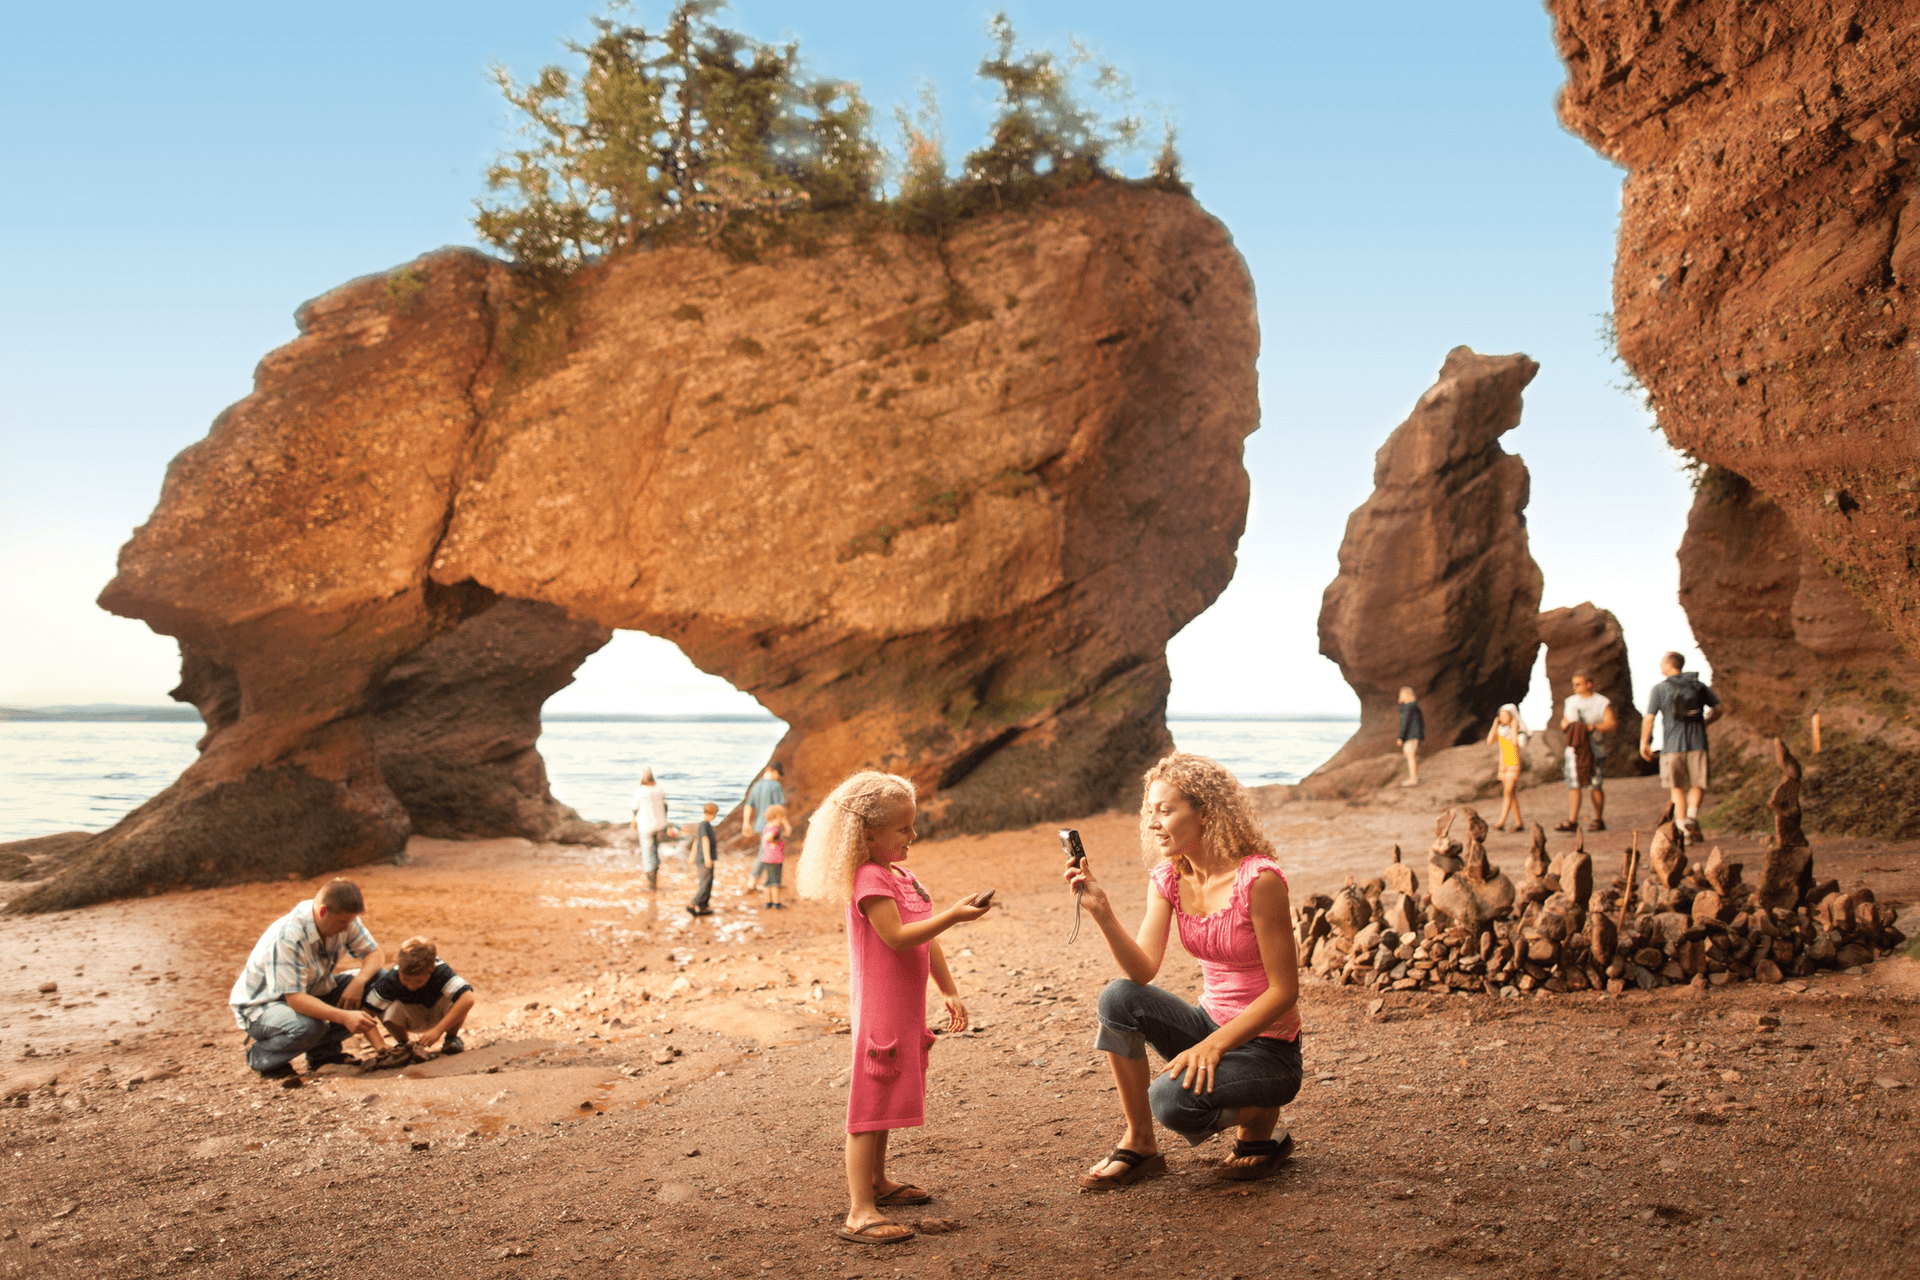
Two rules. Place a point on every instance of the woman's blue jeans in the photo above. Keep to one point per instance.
(1262, 1073)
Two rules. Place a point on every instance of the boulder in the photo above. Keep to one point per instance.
(1721, 873)
(1350, 911)
(940, 517)
(1574, 871)
(1667, 856)
(1400, 877)
(1436, 587)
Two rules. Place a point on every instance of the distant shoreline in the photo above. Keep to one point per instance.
(108, 713)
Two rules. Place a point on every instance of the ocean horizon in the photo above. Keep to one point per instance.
(84, 767)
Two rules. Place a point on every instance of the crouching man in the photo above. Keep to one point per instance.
(422, 997)
(290, 1001)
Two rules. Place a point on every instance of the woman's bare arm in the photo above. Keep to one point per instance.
(1139, 956)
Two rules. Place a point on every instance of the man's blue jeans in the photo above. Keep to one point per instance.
(1262, 1073)
(280, 1035)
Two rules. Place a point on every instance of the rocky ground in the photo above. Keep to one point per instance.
(651, 1095)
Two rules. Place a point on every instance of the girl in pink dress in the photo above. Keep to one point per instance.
(1233, 1060)
(773, 853)
(856, 842)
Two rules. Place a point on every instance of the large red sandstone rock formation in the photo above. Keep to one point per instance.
(1436, 587)
(1765, 292)
(938, 505)
(1585, 639)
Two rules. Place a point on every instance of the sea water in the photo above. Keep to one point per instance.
(87, 775)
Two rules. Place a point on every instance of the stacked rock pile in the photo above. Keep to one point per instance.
(1664, 920)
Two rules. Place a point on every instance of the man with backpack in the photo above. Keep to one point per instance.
(1686, 706)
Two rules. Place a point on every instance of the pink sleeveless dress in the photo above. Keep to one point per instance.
(1225, 946)
(889, 1005)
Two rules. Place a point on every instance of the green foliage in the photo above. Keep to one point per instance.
(404, 287)
(688, 130)
(1046, 126)
(698, 131)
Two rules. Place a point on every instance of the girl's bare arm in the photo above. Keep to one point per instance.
(883, 913)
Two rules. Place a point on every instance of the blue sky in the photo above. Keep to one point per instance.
(180, 180)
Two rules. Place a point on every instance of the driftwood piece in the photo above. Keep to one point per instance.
(1626, 894)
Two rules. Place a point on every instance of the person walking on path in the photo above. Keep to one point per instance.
(1686, 706)
(706, 852)
(1509, 734)
(766, 792)
(289, 1000)
(856, 843)
(1588, 717)
(650, 824)
(1233, 1060)
(1413, 731)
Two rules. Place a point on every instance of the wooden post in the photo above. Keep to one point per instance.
(1633, 867)
(1816, 733)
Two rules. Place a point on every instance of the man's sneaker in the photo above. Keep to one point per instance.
(284, 1075)
(325, 1057)
(453, 1044)
(1692, 827)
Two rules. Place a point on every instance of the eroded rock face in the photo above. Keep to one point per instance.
(1786, 641)
(1436, 587)
(1768, 274)
(937, 505)
(1584, 638)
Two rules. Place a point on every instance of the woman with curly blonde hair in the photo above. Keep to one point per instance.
(856, 842)
(1233, 1060)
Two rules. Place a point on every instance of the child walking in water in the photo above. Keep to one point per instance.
(856, 842)
(773, 854)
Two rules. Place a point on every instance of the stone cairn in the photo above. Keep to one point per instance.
(1663, 921)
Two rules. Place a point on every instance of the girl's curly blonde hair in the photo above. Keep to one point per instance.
(1228, 825)
(836, 841)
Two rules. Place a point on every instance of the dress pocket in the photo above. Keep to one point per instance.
(881, 1060)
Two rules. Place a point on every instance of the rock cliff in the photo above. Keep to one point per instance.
(1768, 273)
(1436, 587)
(1765, 290)
(1787, 642)
(938, 504)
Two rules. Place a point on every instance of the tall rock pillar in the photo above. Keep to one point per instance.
(1436, 588)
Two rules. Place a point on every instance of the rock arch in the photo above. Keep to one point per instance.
(939, 505)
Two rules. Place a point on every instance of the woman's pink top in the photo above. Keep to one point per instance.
(772, 847)
(1224, 944)
(889, 998)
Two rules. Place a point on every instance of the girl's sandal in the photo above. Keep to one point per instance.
(1265, 1159)
(864, 1235)
(1567, 826)
(1138, 1167)
(904, 1194)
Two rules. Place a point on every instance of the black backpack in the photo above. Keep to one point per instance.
(1689, 697)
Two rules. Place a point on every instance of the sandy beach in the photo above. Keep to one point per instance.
(647, 1094)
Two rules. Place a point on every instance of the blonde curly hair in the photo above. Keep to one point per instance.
(836, 841)
(1228, 825)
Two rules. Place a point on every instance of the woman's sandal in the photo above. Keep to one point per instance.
(1596, 825)
(864, 1235)
(1567, 826)
(904, 1194)
(1138, 1167)
(1267, 1156)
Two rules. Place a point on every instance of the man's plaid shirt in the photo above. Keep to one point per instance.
(291, 956)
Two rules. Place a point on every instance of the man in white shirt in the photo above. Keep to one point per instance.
(650, 824)
(1593, 711)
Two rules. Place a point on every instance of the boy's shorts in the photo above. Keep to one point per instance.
(771, 870)
(415, 1017)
